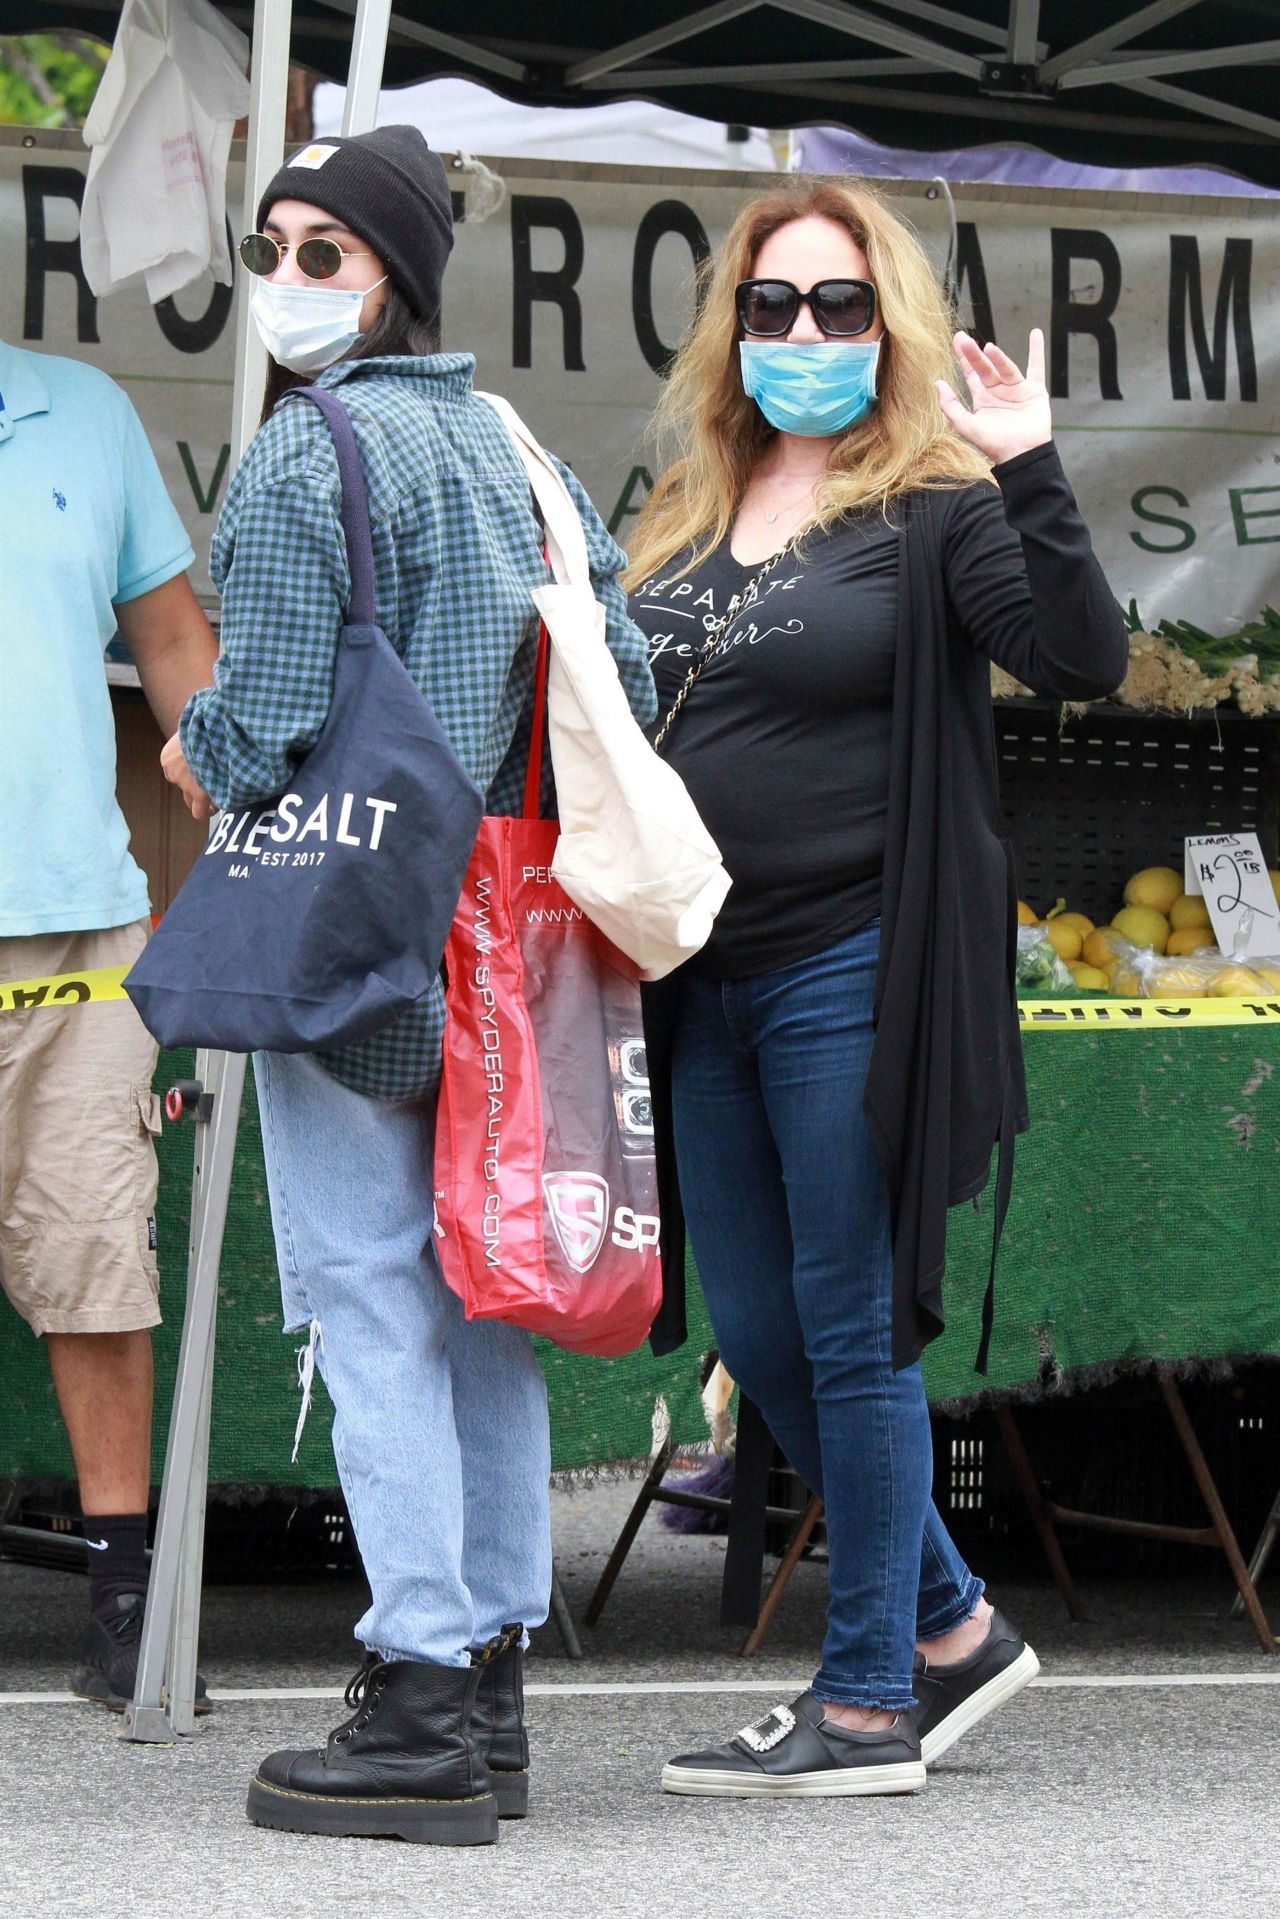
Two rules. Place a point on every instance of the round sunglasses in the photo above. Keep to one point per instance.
(770, 307)
(319, 259)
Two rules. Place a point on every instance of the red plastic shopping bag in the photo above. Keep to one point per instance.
(546, 1190)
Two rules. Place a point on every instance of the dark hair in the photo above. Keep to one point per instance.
(396, 329)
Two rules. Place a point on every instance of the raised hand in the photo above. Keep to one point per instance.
(1010, 410)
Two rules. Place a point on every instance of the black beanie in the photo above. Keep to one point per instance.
(391, 190)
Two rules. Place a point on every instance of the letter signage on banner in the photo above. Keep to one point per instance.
(1162, 317)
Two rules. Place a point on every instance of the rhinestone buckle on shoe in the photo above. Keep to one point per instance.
(769, 1731)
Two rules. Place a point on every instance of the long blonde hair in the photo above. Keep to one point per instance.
(714, 434)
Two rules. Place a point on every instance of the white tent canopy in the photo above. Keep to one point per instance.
(462, 116)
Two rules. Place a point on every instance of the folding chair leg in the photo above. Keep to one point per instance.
(1218, 1514)
(1035, 1504)
(1261, 1554)
(626, 1538)
(778, 1584)
(564, 1619)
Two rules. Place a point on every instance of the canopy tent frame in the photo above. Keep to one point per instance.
(1092, 62)
(412, 33)
(996, 70)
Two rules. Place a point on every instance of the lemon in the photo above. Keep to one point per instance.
(1270, 977)
(1092, 978)
(1126, 983)
(1154, 886)
(1188, 910)
(1142, 925)
(1101, 948)
(1065, 940)
(1025, 915)
(1236, 982)
(1083, 925)
(1190, 939)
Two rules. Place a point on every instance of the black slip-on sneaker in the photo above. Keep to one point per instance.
(109, 1649)
(952, 1699)
(796, 1752)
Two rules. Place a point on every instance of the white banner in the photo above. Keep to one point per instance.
(1162, 316)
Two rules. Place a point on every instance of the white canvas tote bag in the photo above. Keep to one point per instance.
(633, 852)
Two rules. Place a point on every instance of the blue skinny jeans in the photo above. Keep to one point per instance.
(788, 1216)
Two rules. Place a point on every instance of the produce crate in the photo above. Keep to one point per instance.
(1088, 801)
(1113, 1450)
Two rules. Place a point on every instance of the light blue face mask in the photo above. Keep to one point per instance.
(813, 390)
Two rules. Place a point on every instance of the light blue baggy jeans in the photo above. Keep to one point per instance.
(440, 1432)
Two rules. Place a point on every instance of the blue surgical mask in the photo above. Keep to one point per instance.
(813, 390)
(307, 328)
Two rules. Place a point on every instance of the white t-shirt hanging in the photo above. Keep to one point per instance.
(160, 135)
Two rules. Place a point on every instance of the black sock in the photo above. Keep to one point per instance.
(117, 1547)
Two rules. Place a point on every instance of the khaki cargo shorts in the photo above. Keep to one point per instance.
(78, 1170)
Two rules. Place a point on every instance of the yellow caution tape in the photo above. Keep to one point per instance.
(1140, 1015)
(63, 989)
(1034, 1015)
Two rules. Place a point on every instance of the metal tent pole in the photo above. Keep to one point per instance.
(368, 58)
(264, 150)
(164, 1699)
(163, 1704)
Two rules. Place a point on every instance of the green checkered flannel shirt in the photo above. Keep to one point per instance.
(457, 551)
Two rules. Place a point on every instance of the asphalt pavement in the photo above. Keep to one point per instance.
(1140, 1775)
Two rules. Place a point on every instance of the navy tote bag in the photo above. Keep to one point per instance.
(313, 919)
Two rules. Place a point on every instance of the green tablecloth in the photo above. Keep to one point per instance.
(1144, 1225)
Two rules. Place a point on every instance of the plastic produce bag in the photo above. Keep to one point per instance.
(1207, 973)
(1038, 968)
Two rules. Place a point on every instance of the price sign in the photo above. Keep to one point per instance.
(1229, 870)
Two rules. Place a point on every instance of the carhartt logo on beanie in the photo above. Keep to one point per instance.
(391, 190)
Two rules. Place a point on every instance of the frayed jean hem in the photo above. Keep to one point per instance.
(954, 1615)
(831, 1692)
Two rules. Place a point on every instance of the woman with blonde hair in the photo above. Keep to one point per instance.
(824, 572)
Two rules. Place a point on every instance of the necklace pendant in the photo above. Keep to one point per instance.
(770, 517)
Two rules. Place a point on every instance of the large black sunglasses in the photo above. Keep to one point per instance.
(840, 307)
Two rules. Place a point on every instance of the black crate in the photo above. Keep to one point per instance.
(1110, 1450)
(1113, 1450)
(250, 1534)
(1090, 801)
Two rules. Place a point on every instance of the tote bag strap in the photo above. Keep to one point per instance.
(362, 606)
(564, 548)
(566, 541)
(533, 771)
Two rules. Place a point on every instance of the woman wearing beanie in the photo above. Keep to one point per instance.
(440, 1430)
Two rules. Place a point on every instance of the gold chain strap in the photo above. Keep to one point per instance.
(738, 604)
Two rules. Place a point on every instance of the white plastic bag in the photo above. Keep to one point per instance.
(633, 852)
(159, 134)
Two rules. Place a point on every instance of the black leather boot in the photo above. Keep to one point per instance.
(405, 1763)
(497, 1720)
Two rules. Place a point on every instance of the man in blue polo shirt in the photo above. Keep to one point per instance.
(89, 544)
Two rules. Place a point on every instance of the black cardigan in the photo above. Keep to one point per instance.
(1006, 575)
